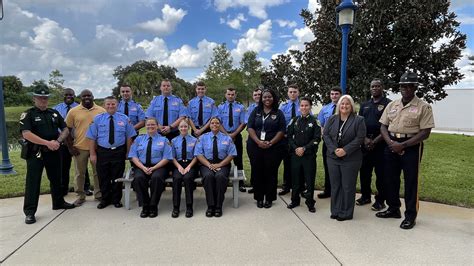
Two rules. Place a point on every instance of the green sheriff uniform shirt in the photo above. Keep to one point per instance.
(304, 132)
(44, 124)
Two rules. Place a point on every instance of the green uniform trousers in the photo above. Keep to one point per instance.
(305, 165)
(34, 171)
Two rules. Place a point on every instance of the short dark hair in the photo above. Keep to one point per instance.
(165, 80)
(257, 89)
(200, 83)
(230, 89)
(378, 80)
(294, 86)
(307, 99)
(336, 88)
(125, 85)
(276, 100)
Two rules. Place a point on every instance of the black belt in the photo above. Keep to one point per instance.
(110, 149)
(401, 135)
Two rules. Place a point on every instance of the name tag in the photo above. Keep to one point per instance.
(262, 135)
(225, 143)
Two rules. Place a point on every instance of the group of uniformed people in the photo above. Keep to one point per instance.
(385, 135)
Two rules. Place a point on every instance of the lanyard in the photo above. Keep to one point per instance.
(339, 135)
(263, 121)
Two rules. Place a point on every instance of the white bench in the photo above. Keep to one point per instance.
(233, 177)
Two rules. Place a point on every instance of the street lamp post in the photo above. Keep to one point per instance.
(6, 167)
(345, 19)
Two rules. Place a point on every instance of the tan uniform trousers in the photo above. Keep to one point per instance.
(80, 164)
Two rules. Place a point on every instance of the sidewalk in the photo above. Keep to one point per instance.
(247, 235)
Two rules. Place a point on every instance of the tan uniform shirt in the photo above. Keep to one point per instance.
(79, 118)
(408, 119)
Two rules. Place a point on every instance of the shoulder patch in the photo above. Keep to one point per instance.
(23, 115)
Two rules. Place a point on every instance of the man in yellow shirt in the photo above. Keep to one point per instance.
(78, 120)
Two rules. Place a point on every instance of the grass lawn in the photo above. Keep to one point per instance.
(446, 172)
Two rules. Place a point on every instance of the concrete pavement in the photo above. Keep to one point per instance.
(247, 235)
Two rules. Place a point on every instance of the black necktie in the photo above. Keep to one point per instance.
(200, 118)
(334, 109)
(183, 149)
(231, 116)
(126, 109)
(165, 112)
(111, 130)
(215, 151)
(148, 151)
(293, 110)
(68, 107)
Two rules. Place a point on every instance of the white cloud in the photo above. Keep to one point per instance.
(254, 40)
(166, 25)
(49, 35)
(187, 56)
(302, 35)
(465, 19)
(235, 22)
(465, 68)
(286, 23)
(313, 5)
(257, 8)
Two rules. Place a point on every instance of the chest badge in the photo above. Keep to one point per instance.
(273, 117)
(310, 125)
(380, 107)
(55, 115)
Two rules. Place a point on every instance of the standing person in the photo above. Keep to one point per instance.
(266, 147)
(110, 137)
(186, 170)
(405, 124)
(130, 108)
(323, 116)
(168, 111)
(304, 135)
(45, 130)
(215, 150)
(344, 134)
(200, 110)
(373, 148)
(256, 95)
(232, 115)
(150, 153)
(78, 120)
(291, 109)
(66, 157)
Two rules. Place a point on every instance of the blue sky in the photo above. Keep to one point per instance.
(87, 39)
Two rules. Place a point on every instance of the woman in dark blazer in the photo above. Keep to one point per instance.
(344, 134)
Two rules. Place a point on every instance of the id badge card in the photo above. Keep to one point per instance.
(262, 135)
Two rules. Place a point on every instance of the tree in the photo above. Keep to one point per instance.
(218, 72)
(471, 58)
(13, 92)
(389, 37)
(56, 82)
(250, 71)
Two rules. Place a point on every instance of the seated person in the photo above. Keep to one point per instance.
(150, 153)
(185, 170)
(215, 150)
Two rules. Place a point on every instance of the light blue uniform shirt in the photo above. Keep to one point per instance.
(177, 142)
(99, 130)
(286, 109)
(209, 110)
(249, 111)
(176, 109)
(62, 108)
(160, 148)
(238, 113)
(135, 111)
(225, 146)
(325, 113)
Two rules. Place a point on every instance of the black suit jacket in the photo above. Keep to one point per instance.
(353, 135)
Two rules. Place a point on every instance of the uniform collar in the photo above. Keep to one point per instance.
(414, 102)
(129, 101)
(295, 101)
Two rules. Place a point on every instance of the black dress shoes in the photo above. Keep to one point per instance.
(210, 212)
(175, 213)
(118, 205)
(312, 209)
(30, 219)
(362, 201)
(189, 212)
(102, 205)
(242, 189)
(250, 191)
(153, 213)
(292, 205)
(340, 219)
(88, 192)
(218, 212)
(284, 192)
(259, 203)
(333, 216)
(407, 224)
(267, 204)
(65, 206)
(144, 213)
(389, 214)
(324, 195)
(378, 206)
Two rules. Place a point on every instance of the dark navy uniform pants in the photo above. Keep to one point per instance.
(373, 160)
